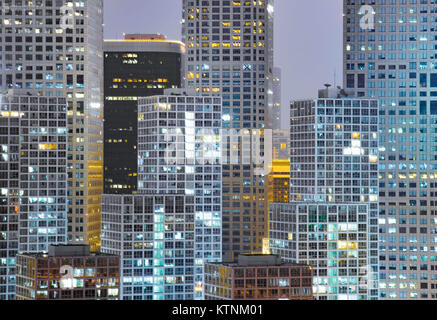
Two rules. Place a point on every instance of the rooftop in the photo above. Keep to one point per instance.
(142, 36)
(259, 260)
(67, 251)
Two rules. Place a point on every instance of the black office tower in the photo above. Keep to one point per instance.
(139, 66)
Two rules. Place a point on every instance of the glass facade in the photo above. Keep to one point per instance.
(179, 195)
(230, 54)
(179, 146)
(154, 235)
(33, 180)
(132, 69)
(332, 222)
(393, 60)
(47, 52)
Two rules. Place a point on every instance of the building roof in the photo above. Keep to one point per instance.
(259, 260)
(143, 45)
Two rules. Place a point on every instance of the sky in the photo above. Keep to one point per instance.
(308, 38)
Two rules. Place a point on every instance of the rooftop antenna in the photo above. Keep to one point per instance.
(335, 77)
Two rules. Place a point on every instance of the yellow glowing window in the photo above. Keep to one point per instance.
(226, 24)
(355, 135)
(50, 146)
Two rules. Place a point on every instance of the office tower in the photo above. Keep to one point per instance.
(230, 54)
(391, 58)
(68, 273)
(332, 220)
(33, 179)
(258, 277)
(277, 98)
(179, 195)
(279, 181)
(47, 52)
(138, 66)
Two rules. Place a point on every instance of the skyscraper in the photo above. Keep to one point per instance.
(389, 55)
(33, 179)
(332, 220)
(139, 66)
(48, 52)
(230, 54)
(179, 200)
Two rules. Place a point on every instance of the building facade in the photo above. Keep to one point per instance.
(139, 66)
(179, 152)
(154, 235)
(47, 52)
(68, 273)
(333, 239)
(332, 222)
(390, 57)
(230, 54)
(258, 277)
(33, 179)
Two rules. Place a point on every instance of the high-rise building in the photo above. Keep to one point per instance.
(332, 220)
(68, 273)
(33, 179)
(154, 237)
(389, 55)
(139, 66)
(277, 99)
(55, 49)
(258, 277)
(230, 54)
(179, 194)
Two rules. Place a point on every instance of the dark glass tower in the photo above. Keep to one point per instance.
(139, 66)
